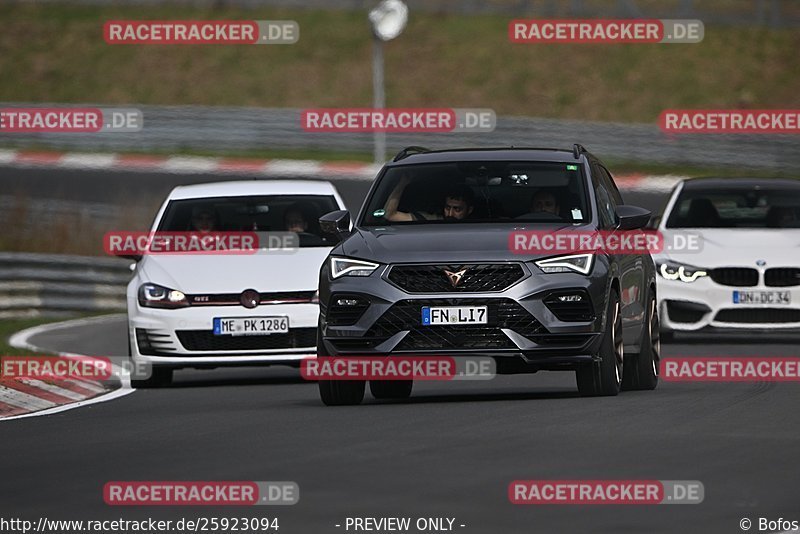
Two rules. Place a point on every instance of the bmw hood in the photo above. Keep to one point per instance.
(442, 243)
(734, 247)
(264, 271)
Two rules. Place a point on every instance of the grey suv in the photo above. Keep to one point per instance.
(433, 237)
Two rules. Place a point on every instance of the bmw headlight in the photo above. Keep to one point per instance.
(684, 273)
(156, 296)
(578, 263)
(351, 267)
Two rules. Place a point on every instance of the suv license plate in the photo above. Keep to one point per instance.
(442, 315)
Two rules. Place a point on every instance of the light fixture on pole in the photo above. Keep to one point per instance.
(388, 21)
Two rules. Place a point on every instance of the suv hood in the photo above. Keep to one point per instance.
(208, 273)
(443, 242)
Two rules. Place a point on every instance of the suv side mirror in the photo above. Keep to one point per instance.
(632, 217)
(336, 223)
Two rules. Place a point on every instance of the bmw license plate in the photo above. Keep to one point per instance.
(440, 315)
(250, 326)
(762, 297)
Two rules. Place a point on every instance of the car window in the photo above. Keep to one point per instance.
(610, 186)
(736, 208)
(479, 192)
(605, 204)
(273, 213)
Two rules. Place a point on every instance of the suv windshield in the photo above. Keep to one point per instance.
(274, 213)
(479, 192)
(736, 208)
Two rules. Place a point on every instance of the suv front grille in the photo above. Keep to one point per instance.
(205, 340)
(570, 310)
(407, 315)
(345, 309)
(782, 277)
(735, 276)
(476, 278)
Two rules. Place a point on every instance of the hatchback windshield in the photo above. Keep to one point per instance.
(479, 192)
(275, 213)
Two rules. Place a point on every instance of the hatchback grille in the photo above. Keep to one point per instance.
(234, 299)
(735, 276)
(502, 313)
(474, 278)
(153, 342)
(205, 340)
(758, 315)
(782, 277)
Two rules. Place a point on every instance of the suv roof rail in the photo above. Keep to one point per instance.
(577, 150)
(407, 151)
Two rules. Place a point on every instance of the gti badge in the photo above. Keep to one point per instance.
(455, 278)
(250, 298)
(761, 263)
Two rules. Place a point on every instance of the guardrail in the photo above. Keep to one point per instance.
(240, 128)
(53, 285)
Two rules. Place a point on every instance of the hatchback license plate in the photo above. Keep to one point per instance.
(250, 326)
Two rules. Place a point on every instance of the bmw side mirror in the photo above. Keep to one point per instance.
(632, 217)
(336, 223)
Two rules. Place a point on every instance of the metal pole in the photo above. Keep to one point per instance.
(379, 98)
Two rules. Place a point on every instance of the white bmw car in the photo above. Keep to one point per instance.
(734, 261)
(210, 310)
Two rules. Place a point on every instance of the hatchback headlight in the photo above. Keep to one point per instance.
(156, 296)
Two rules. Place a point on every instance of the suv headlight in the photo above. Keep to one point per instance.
(579, 263)
(351, 267)
(677, 271)
(156, 296)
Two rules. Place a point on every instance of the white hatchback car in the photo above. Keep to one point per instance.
(210, 310)
(745, 273)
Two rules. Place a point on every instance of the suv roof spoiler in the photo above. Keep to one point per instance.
(407, 151)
